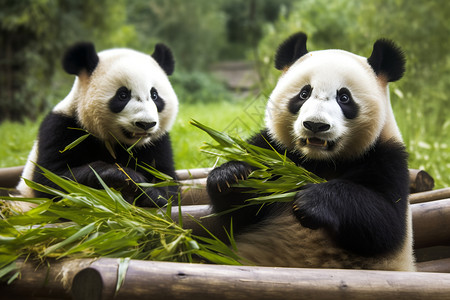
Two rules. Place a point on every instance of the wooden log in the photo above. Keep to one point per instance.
(429, 196)
(192, 173)
(164, 280)
(435, 266)
(9, 177)
(420, 181)
(431, 223)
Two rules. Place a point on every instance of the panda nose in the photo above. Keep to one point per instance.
(316, 126)
(145, 125)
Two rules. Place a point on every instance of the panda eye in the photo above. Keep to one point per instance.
(123, 94)
(344, 96)
(305, 93)
(154, 94)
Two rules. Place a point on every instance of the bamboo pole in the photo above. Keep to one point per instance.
(96, 279)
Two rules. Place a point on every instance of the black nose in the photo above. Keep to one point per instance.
(316, 127)
(145, 125)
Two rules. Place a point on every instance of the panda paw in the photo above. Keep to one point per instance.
(221, 179)
(312, 209)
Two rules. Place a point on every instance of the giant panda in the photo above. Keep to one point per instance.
(330, 113)
(123, 99)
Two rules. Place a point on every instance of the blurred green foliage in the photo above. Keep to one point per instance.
(34, 34)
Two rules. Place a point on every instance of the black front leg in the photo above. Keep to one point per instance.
(360, 219)
(225, 197)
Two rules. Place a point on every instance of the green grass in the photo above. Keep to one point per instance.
(425, 128)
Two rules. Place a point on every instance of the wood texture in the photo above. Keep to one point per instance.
(420, 181)
(429, 196)
(162, 280)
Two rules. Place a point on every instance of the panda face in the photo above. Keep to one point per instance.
(329, 104)
(128, 98)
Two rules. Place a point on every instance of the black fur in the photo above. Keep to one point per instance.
(163, 56)
(362, 205)
(120, 100)
(79, 57)
(387, 59)
(159, 102)
(55, 135)
(298, 100)
(349, 107)
(290, 50)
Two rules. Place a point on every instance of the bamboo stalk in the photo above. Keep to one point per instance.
(163, 280)
(429, 196)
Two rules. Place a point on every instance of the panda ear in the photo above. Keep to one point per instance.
(290, 50)
(79, 57)
(387, 60)
(164, 58)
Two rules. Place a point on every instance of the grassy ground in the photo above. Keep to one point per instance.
(425, 131)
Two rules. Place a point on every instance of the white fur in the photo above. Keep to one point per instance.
(328, 71)
(300, 247)
(90, 96)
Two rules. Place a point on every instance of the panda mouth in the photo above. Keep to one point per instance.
(134, 135)
(317, 143)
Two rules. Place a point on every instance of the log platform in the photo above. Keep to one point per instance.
(96, 279)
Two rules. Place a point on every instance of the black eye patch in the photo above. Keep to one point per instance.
(120, 99)
(159, 102)
(348, 105)
(298, 100)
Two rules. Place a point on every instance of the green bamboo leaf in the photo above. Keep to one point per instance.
(122, 272)
(86, 230)
(222, 138)
(217, 258)
(75, 143)
(154, 172)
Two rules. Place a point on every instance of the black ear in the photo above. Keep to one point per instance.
(79, 57)
(387, 60)
(164, 58)
(290, 50)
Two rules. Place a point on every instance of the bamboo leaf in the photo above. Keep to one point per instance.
(80, 234)
(75, 143)
(122, 271)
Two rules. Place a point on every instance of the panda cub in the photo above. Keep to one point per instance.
(123, 99)
(330, 113)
